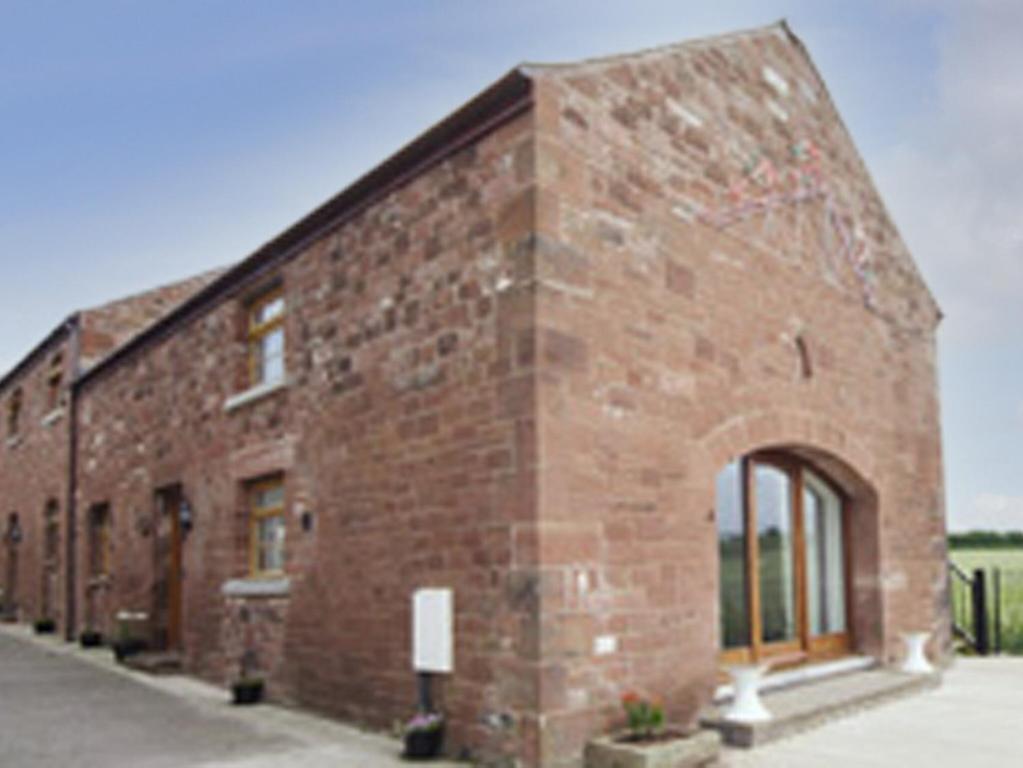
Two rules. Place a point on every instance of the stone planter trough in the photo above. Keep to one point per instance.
(699, 749)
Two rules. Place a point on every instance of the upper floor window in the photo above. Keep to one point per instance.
(266, 527)
(54, 380)
(266, 338)
(14, 406)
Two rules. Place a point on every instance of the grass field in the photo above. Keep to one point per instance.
(1010, 563)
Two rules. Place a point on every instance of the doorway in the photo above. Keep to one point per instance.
(51, 561)
(782, 538)
(167, 572)
(12, 538)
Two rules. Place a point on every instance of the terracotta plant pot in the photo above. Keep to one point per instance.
(423, 745)
(247, 692)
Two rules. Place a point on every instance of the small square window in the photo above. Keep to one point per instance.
(266, 339)
(14, 406)
(266, 527)
(54, 380)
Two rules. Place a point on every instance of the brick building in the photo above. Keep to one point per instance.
(35, 472)
(563, 354)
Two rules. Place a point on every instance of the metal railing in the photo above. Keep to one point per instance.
(987, 609)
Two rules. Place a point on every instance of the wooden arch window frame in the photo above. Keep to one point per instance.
(804, 646)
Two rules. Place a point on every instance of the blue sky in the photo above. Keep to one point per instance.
(144, 142)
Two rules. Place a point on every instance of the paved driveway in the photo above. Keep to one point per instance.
(975, 720)
(61, 707)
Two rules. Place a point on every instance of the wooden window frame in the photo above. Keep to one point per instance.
(258, 331)
(804, 646)
(257, 515)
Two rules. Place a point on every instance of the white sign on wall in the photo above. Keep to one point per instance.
(433, 630)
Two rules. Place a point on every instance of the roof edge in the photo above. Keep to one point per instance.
(500, 102)
(694, 42)
(65, 327)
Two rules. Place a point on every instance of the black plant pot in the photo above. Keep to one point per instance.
(90, 639)
(125, 648)
(247, 692)
(423, 745)
(45, 627)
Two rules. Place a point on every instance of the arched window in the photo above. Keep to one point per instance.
(781, 542)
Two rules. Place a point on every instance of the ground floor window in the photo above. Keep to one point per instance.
(266, 527)
(99, 540)
(781, 542)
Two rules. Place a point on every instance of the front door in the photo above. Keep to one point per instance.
(167, 570)
(782, 561)
(51, 562)
(12, 538)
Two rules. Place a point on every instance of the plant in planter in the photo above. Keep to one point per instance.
(248, 688)
(649, 742)
(45, 626)
(645, 717)
(424, 736)
(131, 628)
(90, 638)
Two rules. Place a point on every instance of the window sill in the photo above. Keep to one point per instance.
(257, 392)
(257, 587)
(52, 417)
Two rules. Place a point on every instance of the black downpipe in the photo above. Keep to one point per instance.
(71, 581)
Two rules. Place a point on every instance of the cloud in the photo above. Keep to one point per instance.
(990, 512)
(956, 188)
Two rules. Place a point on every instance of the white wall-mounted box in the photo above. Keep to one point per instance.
(433, 631)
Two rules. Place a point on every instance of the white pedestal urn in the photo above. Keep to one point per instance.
(916, 662)
(747, 706)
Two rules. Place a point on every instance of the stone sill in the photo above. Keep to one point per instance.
(253, 587)
(52, 417)
(253, 394)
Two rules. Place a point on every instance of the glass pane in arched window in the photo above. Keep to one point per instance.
(776, 572)
(734, 605)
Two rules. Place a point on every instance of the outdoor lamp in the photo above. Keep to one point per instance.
(185, 517)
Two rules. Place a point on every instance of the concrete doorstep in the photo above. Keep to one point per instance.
(809, 705)
(298, 738)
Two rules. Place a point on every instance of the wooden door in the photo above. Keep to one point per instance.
(167, 592)
(51, 562)
(12, 539)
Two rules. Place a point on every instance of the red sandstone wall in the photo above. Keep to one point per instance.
(33, 471)
(34, 466)
(407, 431)
(677, 265)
